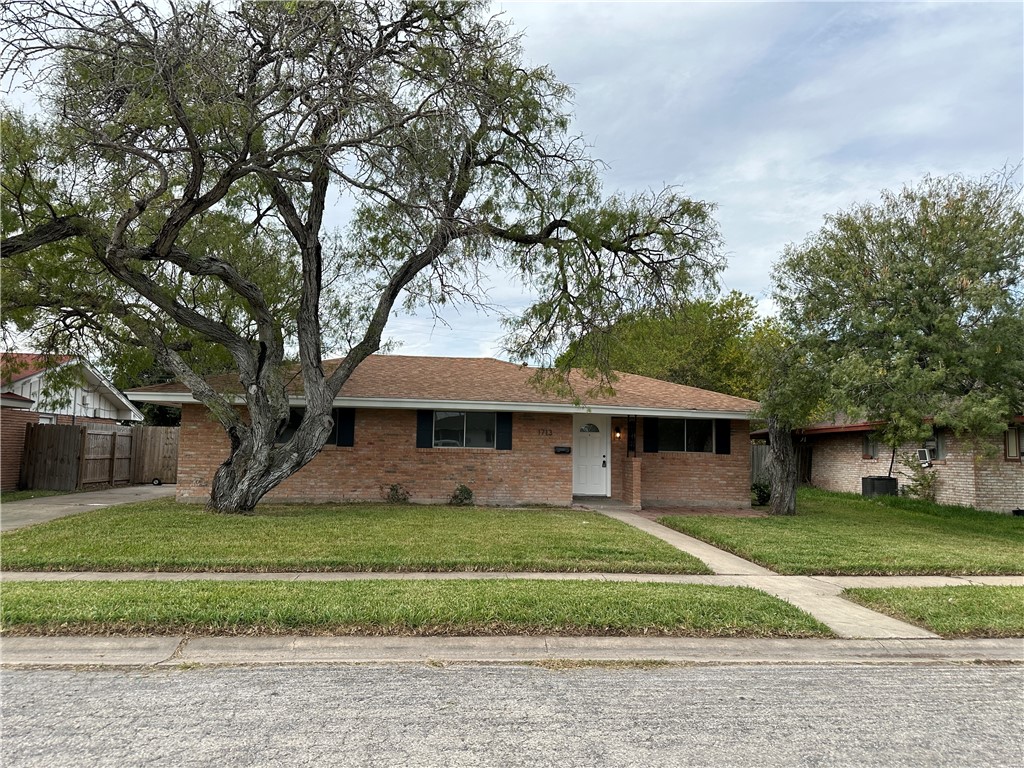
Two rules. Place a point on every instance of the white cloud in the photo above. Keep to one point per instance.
(782, 112)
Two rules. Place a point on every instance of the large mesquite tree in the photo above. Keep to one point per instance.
(176, 187)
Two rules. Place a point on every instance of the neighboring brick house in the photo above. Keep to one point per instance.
(92, 401)
(843, 453)
(15, 412)
(432, 423)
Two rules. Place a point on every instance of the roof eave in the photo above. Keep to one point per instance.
(97, 380)
(183, 398)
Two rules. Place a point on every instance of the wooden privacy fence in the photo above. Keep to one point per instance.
(759, 461)
(69, 458)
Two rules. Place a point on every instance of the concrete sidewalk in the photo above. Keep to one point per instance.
(18, 514)
(155, 652)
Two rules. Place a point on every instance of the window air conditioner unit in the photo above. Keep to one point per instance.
(925, 456)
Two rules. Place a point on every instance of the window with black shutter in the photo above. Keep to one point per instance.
(464, 429)
(687, 436)
(342, 433)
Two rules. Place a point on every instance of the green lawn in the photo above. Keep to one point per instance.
(967, 611)
(166, 536)
(449, 607)
(835, 533)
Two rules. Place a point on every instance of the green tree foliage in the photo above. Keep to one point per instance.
(912, 309)
(176, 193)
(706, 343)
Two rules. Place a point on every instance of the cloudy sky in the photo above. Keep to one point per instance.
(779, 113)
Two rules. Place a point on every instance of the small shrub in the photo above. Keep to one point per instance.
(761, 491)
(396, 493)
(923, 480)
(463, 496)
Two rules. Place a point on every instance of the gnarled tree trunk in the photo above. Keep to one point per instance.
(257, 465)
(781, 467)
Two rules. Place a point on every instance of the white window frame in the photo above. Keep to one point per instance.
(1013, 444)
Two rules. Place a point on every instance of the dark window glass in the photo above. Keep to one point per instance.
(295, 416)
(294, 419)
(689, 435)
(479, 430)
(870, 448)
(671, 435)
(449, 429)
(700, 435)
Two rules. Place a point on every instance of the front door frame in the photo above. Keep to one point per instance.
(604, 424)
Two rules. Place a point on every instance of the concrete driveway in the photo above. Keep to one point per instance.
(18, 514)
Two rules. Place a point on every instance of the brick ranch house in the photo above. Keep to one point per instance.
(842, 453)
(432, 423)
(22, 388)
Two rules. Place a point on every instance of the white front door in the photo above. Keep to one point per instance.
(591, 448)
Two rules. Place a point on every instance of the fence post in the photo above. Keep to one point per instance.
(113, 457)
(138, 455)
(83, 446)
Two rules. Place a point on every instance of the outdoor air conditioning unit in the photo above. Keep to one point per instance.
(925, 456)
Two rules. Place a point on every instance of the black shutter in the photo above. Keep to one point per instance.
(503, 431)
(723, 436)
(650, 434)
(344, 427)
(424, 429)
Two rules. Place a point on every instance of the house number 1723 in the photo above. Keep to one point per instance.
(545, 432)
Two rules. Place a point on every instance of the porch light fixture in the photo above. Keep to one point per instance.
(618, 433)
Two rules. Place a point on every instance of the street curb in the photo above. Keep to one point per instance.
(174, 652)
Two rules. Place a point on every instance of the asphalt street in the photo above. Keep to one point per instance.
(493, 715)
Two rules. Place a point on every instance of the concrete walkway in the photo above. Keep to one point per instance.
(18, 514)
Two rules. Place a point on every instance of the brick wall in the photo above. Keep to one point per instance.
(12, 444)
(998, 482)
(837, 463)
(385, 452)
(963, 477)
(631, 477)
(698, 479)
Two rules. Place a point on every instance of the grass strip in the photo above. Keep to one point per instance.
(834, 533)
(166, 536)
(455, 607)
(962, 611)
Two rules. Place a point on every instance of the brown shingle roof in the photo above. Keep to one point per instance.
(15, 366)
(486, 380)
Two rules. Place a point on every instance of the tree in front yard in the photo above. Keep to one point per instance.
(703, 342)
(911, 310)
(176, 190)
